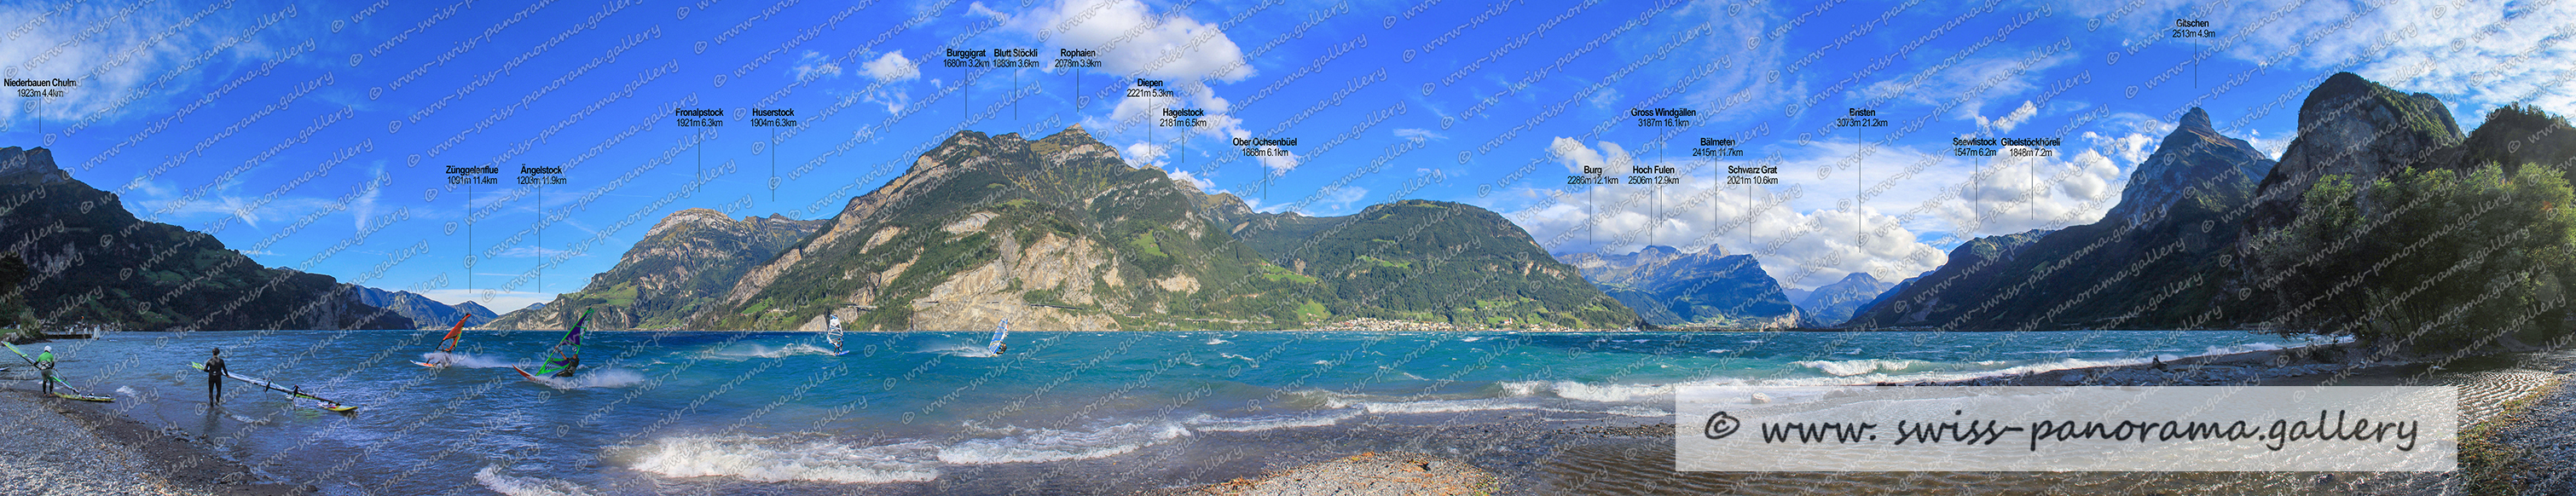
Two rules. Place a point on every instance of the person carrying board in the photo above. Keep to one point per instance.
(45, 365)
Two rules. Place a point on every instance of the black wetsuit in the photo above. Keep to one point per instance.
(214, 379)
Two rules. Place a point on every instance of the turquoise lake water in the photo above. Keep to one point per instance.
(928, 413)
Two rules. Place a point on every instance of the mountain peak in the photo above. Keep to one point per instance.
(2195, 164)
(2196, 119)
(1861, 277)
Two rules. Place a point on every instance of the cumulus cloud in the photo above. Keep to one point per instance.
(1576, 158)
(1192, 180)
(889, 68)
(1804, 230)
(1131, 38)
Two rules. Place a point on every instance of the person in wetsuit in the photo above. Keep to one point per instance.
(215, 377)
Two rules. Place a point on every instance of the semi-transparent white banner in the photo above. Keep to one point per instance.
(2173, 428)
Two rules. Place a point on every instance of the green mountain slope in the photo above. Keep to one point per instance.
(1059, 233)
(1432, 261)
(91, 261)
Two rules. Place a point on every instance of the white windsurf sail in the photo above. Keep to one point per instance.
(832, 331)
(1004, 331)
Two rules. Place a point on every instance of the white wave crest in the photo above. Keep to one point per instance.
(773, 460)
(1605, 393)
(1442, 406)
(463, 360)
(492, 478)
(1848, 368)
(758, 351)
(1205, 423)
(1047, 445)
(603, 378)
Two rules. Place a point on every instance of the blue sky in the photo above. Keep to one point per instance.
(316, 135)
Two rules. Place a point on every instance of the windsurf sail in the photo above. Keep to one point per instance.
(454, 335)
(832, 331)
(296, 391)
(1003, 331)
(58, 379)
(448, 344)
(566, 354)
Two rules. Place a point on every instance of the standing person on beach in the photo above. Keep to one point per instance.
(215, 377)
(45, 365)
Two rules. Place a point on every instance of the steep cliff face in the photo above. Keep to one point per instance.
(2194, 168)
(1059, 233)
(92, 261)
(2157, 260)
(2357, 128)
(686, 261)
(1668, 287)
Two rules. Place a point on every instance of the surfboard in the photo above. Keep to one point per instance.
(294, 392)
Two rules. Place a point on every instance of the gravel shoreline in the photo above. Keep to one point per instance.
(62, 447)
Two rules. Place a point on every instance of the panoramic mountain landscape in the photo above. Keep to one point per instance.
(1187, 248)
(1705, 288)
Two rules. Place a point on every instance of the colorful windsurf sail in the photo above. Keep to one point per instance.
(447, 344)
(566, 354)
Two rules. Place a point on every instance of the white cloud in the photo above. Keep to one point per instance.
(1130, 38)
(889, 68)
(814, 65)
(112, 51)
(1577, 158)
(1133, 38)
(2010, 120)
(1146, 154)
(1803, 229)
(894, 100)
(1192, 179)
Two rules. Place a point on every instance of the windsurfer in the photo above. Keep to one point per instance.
(45, 365)
(999, 349)
(569, 364)
(215, 377)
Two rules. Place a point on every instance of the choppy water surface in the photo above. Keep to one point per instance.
(924, 413)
